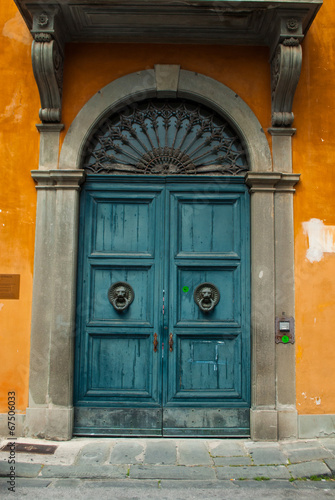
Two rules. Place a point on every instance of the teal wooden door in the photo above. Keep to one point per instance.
(172, 362)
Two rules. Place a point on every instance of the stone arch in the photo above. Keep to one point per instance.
(167, 81)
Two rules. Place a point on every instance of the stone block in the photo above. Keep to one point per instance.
(287, 424)
(330, 462)
(226, 461)
(308, 454)
(167, 77)
(226, 448)
(49, 423)
(263, 425)
(19, 425)
(193, 453)
(21, 470)
(94, 453)
(171, 472)
(329, 444)
(160, 452)
(86, 471)
(127, 452)
(316, 426)
(252, 472)
(309, 469)
(268, 456)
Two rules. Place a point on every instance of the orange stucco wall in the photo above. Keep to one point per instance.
(314, 158)
(90, 67)
(19, 143)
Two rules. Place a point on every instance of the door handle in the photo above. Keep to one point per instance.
(155, 342)
(171, 342)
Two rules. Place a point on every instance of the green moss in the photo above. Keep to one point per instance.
(319, 478)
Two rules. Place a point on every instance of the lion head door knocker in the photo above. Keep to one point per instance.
(206, 296)
(121, 295)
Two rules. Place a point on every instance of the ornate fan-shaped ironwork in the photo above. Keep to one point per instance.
(165, 137)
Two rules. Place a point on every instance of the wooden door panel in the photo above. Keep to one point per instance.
(142, 280)
(227, 279)
(122, 226)
(208, 367)
(119, 366)
(208, 225)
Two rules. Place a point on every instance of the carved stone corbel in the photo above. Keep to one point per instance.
(47, 60)
(285, 73)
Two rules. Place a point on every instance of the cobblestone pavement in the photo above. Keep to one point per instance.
(160, 462)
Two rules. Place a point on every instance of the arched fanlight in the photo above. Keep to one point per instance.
(165, 137)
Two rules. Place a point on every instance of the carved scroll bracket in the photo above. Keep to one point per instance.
(285, 70)
(47, 60)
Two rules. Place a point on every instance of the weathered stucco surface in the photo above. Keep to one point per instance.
(90, 67)
(19, 142)
(313, 157)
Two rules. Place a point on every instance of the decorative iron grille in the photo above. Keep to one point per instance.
(165, 137)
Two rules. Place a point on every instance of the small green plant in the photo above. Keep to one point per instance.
(128, 472)
(159, 483)
(319, 478)
(261, 478)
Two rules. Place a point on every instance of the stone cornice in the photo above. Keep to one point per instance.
(282, 131)
(271, 182)
(261, 22)
(279, 24)
(50, 127)
(58, 179)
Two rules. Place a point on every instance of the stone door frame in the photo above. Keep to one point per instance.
(273, 412)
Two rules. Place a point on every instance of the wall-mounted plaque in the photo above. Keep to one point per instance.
(9, 286)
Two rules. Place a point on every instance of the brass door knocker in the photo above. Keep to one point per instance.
(121, 295)
(206, 296)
